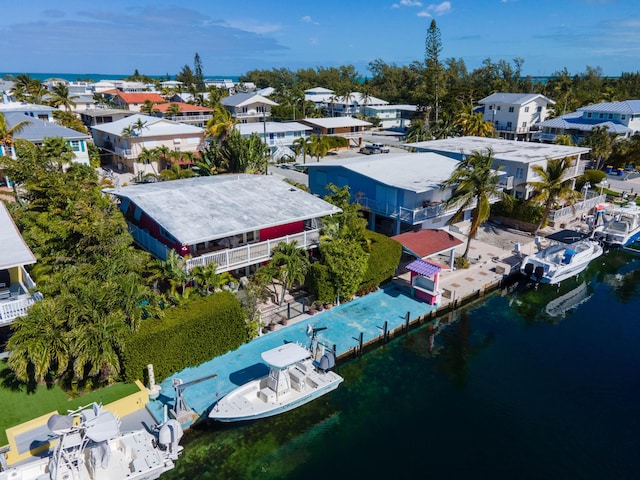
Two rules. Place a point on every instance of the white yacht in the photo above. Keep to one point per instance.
(90, 446)
(622, 228)
(568, 255)
(296, 376)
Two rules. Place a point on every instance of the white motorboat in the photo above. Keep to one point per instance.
(621, 229)
(90, 446)
(297, 375)
(568, 255)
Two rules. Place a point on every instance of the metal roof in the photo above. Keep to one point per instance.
(37, 130)
(415, 172)
(270, 127)
(14, 251)
(626, 106)
(336, 122)
(198, 209)
(508, 150)
(242, 99)
(514, 98)
(575, 121)
(154, 126)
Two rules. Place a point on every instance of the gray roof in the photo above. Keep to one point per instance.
(627, 106)
(416, 172)
(100, 112)
(514, 98)
(14, 251)
(336, 122)
(575, 121)
(37, 130)
(509, 150)
(153, 126)
(270, 127)
(240, 99)
(198, 209)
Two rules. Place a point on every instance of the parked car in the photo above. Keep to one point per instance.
(374, 148)
(382, 147)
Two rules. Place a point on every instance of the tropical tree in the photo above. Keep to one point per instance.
(7, 132)
(552, 187)
(564, 140)
(318, 146)
(173, 110)
(474, 184)
(473, 124)
(601, 142)
(417, 132)
(60, 97)
(291, 265)
(149, 107)
(69, 120)
(302, 145)
(221, 123)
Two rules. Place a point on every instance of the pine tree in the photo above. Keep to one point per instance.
(197, 69)
(433, 46)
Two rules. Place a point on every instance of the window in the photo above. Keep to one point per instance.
(526, 109)
(260, 109)
(539, 109)
(589, 115)
(509, 125)
(490, 107)
(75, 145)
(498, 108)
(524, 124)
(510, 109)
(519, 172)
(610, 116)
(601, 116)
(518, 194)
(622, 117)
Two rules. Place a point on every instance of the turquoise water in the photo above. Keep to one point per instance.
(344, 324)
(96, 77)
(499, 390)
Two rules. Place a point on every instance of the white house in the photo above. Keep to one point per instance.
(125, 139)
(248, 107)
(279, 136)
(620, 118)
(391, 117)
(515, 158)
(514, 115)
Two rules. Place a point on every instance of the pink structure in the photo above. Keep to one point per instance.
(425, 278)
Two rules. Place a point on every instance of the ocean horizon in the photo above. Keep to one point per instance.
(96, 77)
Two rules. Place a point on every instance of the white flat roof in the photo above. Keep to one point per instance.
(271, 127)
(198, 209)
(285, 355)
(334, 122)
(518, 151)
(14, 251)
(416, 172)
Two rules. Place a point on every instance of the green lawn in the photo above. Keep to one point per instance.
(19, 406)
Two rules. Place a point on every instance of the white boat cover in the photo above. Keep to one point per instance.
(285, 355)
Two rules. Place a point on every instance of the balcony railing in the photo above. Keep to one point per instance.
(232, 258)
(577, 209)
(407, 215)
(19, 300)
(252, 113)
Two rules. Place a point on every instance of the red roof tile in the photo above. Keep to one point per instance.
(184, 107)
(428, 242)
(141, 97)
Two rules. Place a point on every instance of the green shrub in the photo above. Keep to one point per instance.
(522, 210)
(319, 281)
(461, 263)
(186, 336)
(384, 257)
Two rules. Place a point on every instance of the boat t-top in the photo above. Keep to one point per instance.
(569, 254)
(297, 375)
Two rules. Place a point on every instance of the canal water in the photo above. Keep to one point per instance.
(527, 384)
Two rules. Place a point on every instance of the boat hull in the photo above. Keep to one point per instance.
(552, 266)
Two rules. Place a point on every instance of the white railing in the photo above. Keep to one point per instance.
(190, 118)
(252, 113)
(577, 208)
(13, 309)
(232, 258)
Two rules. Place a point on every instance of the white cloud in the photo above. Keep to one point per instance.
(306, 18)
(407, 3)
(253, 26)
(436, 9)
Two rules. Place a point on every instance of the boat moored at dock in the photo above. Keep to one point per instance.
(297, 375)
(622, 227)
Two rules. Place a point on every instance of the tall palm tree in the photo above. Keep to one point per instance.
(472, 124)
(600, 141)
(552, 187)
(60, 97)
(475, 183)
(173, 110)
(302, 145)
(319, 146)
(149, 107)
(220, 124)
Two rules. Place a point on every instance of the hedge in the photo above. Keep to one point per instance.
(186, 336)
(384, 257)
(319, 283)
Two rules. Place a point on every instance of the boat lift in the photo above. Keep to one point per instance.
(181, 411)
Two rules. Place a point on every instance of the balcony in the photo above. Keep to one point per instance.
(251, 254)
(252, 113)
(16, 300)
(408, 215)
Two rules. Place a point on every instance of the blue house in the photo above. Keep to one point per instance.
(398, 192)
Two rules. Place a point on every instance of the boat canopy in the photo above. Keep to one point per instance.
(285, 355)
(567, 236)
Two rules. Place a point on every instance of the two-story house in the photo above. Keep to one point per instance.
(391, 117)
(348, 127)
(248, 107)
(398, 192)
(514, 115)
(132, 101)
(184, 113)
(516, 159)
(620, 118)
(124, 140)
(232, 221)
(16, 286)
(278, 136)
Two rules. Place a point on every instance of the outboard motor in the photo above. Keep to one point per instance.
(539, 272)
(169, 437)
(327, 361)
(528, 269)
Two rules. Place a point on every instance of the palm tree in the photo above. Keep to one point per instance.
(220, 124)
(302, 145)
(173, 110)
(552, 187)
(7, 133)
(475, 183)
(60, 97)
(148, 108)
(318, 146)
(472, 124)
(291, 264)
(600, 141)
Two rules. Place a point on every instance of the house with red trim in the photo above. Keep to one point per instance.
(187, 113)
(132, 101)
(233, 221)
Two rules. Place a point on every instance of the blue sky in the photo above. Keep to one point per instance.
(235, 36)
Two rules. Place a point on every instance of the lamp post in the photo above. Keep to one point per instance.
(603, 184)
(586, 188)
